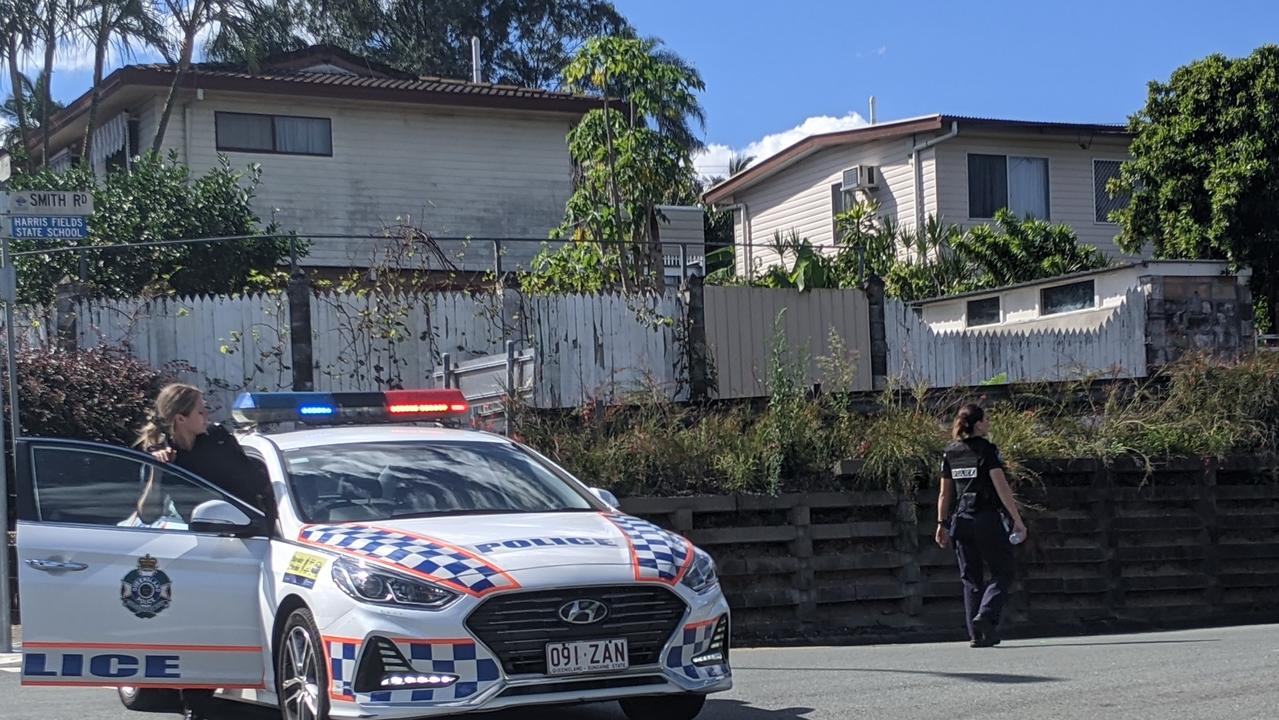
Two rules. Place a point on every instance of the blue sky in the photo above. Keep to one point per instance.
(776, 70)
(770, 67)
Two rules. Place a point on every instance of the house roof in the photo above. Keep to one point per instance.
(357, 79)
(1220, 266)
(892, 130)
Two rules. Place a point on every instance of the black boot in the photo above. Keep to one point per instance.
(986, 633)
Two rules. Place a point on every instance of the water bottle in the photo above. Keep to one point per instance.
(1016, 538)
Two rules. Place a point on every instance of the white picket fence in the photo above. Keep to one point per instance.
(917, 354)
(225, 344)
(592, 347)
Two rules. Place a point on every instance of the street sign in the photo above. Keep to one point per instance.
(56, 227)
(47, 203)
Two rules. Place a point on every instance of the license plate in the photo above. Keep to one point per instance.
(587, 656)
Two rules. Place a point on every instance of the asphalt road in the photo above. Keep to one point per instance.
(1224, 673)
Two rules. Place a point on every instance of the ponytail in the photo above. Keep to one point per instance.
(966, 421)
(173, 400)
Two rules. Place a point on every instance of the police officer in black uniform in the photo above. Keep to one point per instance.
(976, 512)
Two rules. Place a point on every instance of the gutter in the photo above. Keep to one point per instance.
(919, 173)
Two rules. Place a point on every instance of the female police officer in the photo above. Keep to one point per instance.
(970, 513)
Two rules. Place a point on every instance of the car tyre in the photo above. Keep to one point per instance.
(149, 699)
(301, 675)
(667, 707)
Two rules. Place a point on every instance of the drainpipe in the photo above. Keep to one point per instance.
(919, 173)
(746, 230)
(186, 134)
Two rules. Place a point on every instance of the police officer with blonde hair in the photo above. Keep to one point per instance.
(977, 513)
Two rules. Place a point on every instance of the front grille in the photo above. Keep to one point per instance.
(580, 685)
(517, 626)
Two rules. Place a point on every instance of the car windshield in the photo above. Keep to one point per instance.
(386, 480)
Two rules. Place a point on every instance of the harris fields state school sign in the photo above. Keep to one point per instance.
(47, 215)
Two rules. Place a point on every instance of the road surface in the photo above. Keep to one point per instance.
(1224, 673)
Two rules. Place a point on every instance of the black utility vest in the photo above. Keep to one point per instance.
(974, 491)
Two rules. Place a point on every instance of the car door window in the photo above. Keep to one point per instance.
(73, 485)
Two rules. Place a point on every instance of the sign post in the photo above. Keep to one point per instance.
(27, 215)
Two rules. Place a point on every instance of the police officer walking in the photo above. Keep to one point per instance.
(977, 513)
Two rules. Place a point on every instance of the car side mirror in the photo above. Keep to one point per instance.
(606, 497)
(221, 517)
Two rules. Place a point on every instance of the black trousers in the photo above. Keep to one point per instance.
(981, 546)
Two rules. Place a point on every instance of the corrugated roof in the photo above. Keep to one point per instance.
(897, 128)
(418, 84)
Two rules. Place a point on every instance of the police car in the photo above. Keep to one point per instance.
(415, 570)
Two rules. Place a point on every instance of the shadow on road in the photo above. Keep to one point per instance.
(978, 677)
(739, 710)
(1103, 644)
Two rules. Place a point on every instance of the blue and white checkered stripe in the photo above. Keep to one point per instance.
(342, 654)
(476, 669)
(427, 557)
(694, 640)
(660, 556)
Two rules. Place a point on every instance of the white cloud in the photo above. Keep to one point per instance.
(713, 161)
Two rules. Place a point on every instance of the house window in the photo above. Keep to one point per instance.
(1064, 298)
(1007, 181)
(839, 201)
(1103, 171)
(283, 134)
(983, 312)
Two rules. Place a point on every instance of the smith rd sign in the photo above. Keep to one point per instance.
(48, 203)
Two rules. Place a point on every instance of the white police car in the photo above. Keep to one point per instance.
(413, 572)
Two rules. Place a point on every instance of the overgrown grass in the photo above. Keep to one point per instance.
(651, 446)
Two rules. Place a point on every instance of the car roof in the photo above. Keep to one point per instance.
(346, 434)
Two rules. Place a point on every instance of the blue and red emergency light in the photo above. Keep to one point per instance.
(332, 408)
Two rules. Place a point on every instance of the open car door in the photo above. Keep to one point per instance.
(134, 573)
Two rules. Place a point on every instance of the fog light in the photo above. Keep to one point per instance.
(413, 680)
(715, 658)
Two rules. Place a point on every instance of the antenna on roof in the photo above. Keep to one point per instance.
(476, 76)
(872, 109)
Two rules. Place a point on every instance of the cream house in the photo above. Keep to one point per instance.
(348, 147)
(960, 169)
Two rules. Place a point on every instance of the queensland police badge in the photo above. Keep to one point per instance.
(147, 591)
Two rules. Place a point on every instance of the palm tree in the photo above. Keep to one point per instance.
(30, 100)
(18, 31)
(738, 163)
(113, 22)
(55, 19)
(228, 17)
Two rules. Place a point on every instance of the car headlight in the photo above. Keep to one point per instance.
(382, 587)
(701, 575)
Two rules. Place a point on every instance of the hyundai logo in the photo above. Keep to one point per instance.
(583, 612)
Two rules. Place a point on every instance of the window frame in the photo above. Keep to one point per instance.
(1043, 312)
(1096, 160)
(29, 507)
(968, 323)
(1048, 181)
(275, 139)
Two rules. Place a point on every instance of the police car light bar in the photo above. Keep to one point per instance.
(322, 408)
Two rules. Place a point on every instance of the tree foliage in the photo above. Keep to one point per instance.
(1204, 174)
(159, 200)
(630, 157)
(930, 261)
(522, 42)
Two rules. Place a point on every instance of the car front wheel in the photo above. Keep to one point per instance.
(301, 676)
(667, 707)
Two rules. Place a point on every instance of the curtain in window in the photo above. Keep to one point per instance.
(987, 185)
(1028, 187)
(307, 136)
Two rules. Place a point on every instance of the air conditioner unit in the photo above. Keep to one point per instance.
(861, 177)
